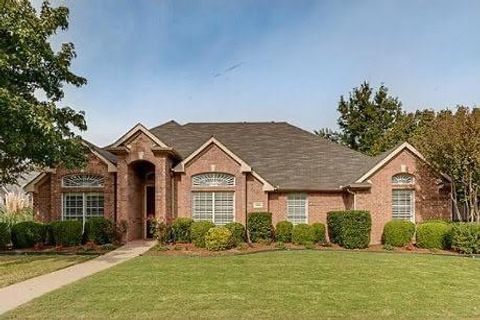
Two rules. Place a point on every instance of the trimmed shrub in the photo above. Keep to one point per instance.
(218, 238)
(27, 234)
(319, 232)
(303, 234)
(96, 230)
(283, 231)
(67, 233)
(238, 232)
(466, 237)
(260, 226)
(334, 223)
(181, 229)
(198, 231)
(355, 230)
(4, 235)
(434, 235)
(398, 233)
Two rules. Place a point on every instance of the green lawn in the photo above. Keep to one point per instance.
(274, 285)
(18, 268)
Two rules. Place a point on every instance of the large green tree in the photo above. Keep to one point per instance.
(35, 131)
(365, 116)
(451, 144)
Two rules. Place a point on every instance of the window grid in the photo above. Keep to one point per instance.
(403, 179)
(83, 181)
(297, 208)
(213, 180)
(81, 206)
(403, 204)
(218, 207)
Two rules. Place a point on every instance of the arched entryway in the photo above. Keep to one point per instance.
(141, 198)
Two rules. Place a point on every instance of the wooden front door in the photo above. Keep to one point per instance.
(149, 210)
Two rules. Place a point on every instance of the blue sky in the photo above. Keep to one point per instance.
(152, 61)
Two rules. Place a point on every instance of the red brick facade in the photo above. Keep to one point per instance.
(140, 159)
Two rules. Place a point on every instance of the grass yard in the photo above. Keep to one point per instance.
(273, 285)
(18, 268)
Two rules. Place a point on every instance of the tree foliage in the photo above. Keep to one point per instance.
(34, 131)
(365, 116)
(451, 143)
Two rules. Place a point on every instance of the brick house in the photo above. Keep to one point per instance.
(222, 171)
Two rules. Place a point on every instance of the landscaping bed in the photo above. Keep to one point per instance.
(86, 249)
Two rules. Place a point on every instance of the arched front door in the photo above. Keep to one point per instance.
(149, 210)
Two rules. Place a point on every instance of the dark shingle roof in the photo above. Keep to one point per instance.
(286, 156)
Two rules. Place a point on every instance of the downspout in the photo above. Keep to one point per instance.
(173, 193)
(115, 197)
(354, 197)
(246, 213)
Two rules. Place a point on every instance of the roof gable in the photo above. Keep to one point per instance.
(132, 132)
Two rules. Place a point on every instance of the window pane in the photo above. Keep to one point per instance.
(297, 208)
(94, 205)
(202, 206)
(403, 204)
(83, 181)
(403, 178)
(224, 207)
(73, 206)
(213, 180)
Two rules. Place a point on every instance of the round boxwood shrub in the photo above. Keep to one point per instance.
(355, 229)
(218, 238)
(334, 224)
(283, 231)
(434, 235)
(260, 226)
(319, 232)
(466, 237)
(4, 235)
(398, 233)
(96, 230)
(303, 234)
(198, 231)
(67, 233)
(27, 234)
(181, 229)
(238, 232)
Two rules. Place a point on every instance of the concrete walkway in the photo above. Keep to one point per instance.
(22, 292)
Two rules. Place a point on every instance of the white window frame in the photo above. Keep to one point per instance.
(213, 179)
(411, 206)
(82, 181)
(213, 193)
(294, 197)
(84, 204)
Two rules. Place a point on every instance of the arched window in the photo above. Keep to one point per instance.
(403, 178)
(213, 180)
(83, 181)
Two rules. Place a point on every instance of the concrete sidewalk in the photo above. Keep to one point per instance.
(22, 292)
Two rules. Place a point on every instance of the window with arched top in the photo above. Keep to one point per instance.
(403, 178)
(403, 197)
(83, 181)
(213, 179)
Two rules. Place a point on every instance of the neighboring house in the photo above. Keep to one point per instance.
(222, 171)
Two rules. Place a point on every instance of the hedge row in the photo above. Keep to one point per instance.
(28, 234)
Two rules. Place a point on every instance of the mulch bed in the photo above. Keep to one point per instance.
(188, 249)
(86, 249)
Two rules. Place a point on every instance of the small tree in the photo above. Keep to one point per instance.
(451, 144)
